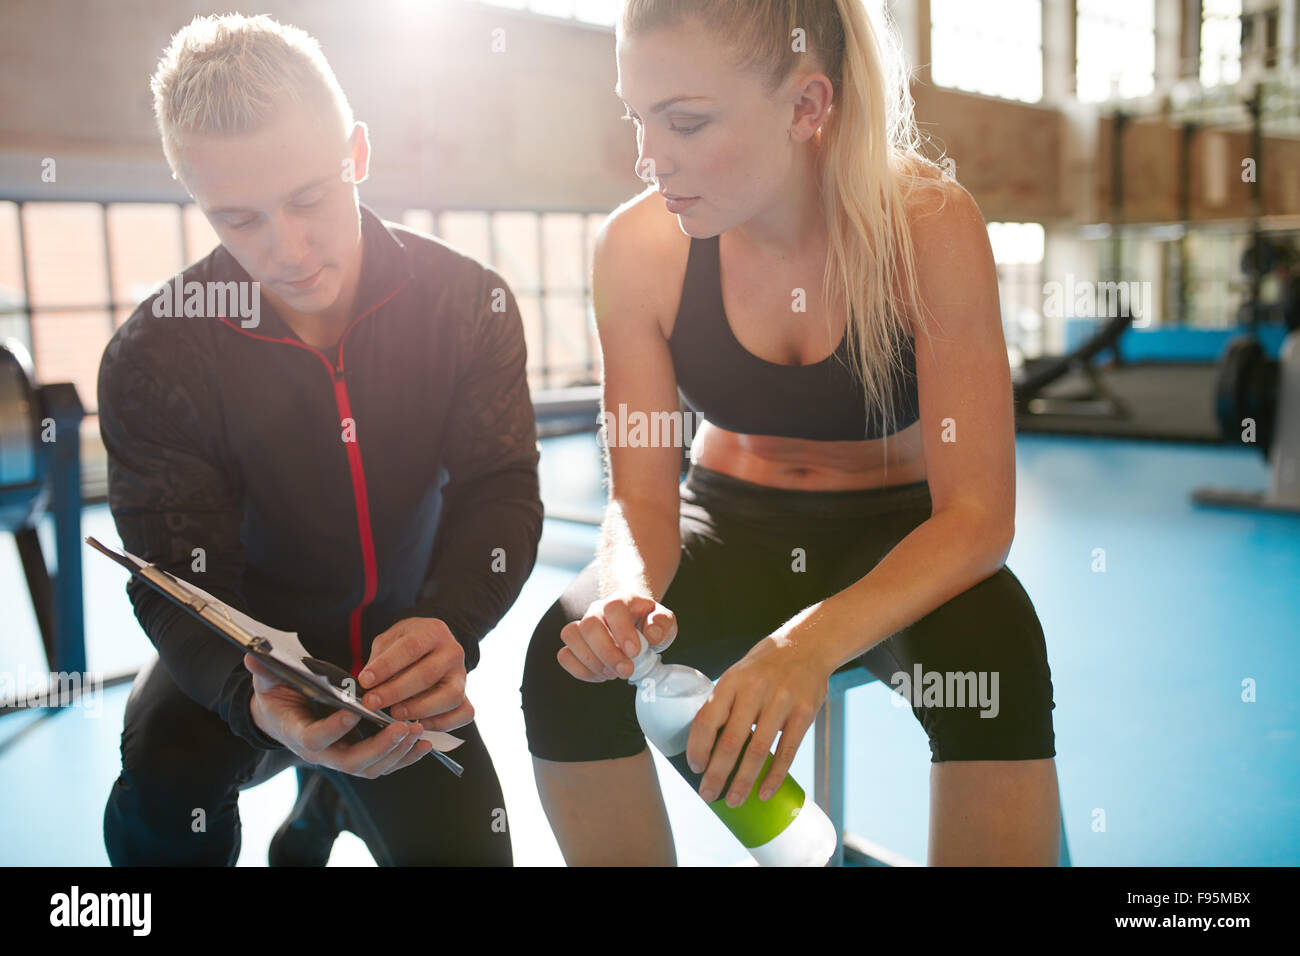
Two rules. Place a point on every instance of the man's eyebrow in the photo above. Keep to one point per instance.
(662, 104)
(226, 210)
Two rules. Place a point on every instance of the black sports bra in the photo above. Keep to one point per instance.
(736, 390)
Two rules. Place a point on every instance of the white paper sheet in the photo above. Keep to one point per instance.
(286, 647)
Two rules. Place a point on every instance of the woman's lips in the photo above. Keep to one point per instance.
(680, 205)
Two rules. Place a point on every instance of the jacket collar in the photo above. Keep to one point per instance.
(385, 268)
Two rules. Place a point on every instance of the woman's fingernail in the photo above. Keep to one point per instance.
(652, 632)
(764, 794)
(625, 669)
(367, 677)
(708, 795)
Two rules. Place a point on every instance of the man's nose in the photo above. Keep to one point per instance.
(288, 239)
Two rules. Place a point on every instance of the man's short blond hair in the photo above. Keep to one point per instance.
(232, 74)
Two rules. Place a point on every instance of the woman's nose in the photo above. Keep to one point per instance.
(648, 167)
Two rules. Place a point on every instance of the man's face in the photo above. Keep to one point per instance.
(279, 202)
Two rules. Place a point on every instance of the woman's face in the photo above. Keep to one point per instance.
(724, 141)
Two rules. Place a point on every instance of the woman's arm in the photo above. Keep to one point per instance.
(968, 430)
(640, 541)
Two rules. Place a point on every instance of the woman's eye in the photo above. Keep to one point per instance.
(685, 131)
(242, 225)
(307, 205)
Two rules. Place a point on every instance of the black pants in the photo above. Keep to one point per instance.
(754, 556)
(179, 759)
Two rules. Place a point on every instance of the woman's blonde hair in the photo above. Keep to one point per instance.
(232, 73)
(869, 160)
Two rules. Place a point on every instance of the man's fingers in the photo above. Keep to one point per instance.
(413, 644)
(448, 695)
(263, 677)
(357, 758)
(393, 750)
(321, 734)
(422, 675)
(421, 749)
(457, 717)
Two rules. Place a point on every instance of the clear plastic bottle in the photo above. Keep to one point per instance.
(787, 829)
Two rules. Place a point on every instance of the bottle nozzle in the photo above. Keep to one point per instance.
(644, 662)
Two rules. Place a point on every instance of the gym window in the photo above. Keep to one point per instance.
(1115, 49)
(72, 272)
(993, 47)
(546, 259)
(1018, 255)
(1220, 42)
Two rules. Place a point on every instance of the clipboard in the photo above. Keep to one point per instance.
(325, 685)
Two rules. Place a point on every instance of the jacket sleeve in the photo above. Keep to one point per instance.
(491, 519)
(176, 506)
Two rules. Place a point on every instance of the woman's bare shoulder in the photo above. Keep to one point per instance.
(639, 262)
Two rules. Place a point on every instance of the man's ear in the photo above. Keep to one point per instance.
(360, 155)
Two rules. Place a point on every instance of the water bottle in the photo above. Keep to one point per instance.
(786, 829)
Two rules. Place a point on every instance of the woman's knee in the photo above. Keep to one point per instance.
(567, 719)
(976, 674)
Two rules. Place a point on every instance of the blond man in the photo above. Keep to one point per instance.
(351, 455)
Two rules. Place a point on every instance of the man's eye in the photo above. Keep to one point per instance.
(242, 225)
(307, 205)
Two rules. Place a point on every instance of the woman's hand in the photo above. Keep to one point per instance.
(601, 646)
(779, 686)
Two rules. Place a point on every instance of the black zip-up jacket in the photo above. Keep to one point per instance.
(235, 441)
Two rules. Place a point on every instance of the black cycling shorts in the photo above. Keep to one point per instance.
(742, 575)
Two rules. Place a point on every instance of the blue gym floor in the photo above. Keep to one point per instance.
(1160, 760)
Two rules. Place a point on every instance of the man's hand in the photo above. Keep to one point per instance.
(285, 715)
(417, 671)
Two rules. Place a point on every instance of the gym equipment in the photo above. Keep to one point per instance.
(40, 469)
(1252, 388)
(1098, 400)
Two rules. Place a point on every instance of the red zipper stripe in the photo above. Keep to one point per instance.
(359, 494)
(363, 525)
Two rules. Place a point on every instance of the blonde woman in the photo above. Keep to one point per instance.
(826, 300)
